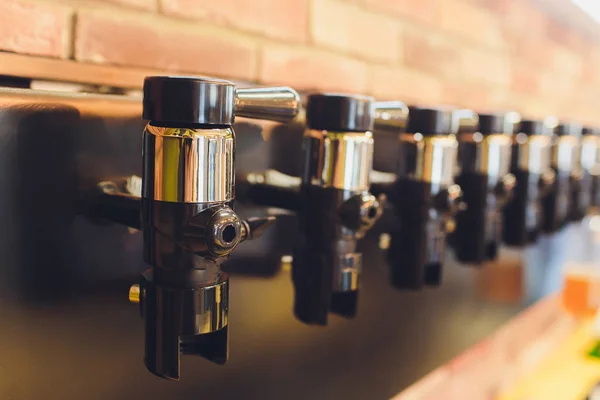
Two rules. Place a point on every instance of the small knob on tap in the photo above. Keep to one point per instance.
(134, 294)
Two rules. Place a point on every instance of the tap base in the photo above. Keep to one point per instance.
(470, 237)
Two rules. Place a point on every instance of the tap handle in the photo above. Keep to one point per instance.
(209, 101)
(254, 227)
(276, 103)
(391, 115)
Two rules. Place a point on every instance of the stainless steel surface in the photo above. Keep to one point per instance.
(566, 153)
(464, 121)
(492, 155)
(433, 158)
(210, 309)
(346, 272)
(275, 178)
(188, 165)
(534, 152)
(225, 227)
(342, 160)
(371, 209)
(590, 154)
(391, 116)
(276, 103)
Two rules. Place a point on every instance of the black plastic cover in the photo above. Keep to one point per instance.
(429, 121)
(340, 112)
(532, 127)
(490, 124)
(569, 129)
(179, 100)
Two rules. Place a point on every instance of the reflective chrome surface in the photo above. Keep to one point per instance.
(276, 103)
(534, 152)
(464, 121)
(565, 154)
(491, 155)
(346, 272)
(275, 178)
(371, 209)
(188, 165)
(211, 308)
(391, 115)
(429, 159)
(590, 153)
(342, 160)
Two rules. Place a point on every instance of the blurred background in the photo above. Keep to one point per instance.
(534, 56)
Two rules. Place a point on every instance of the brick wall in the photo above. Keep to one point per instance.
(482, 54)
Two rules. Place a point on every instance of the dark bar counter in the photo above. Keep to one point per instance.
(87, 342)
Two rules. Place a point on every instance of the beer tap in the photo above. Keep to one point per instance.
(590, 164)
(566, 165)
(424, 197)
(487, 185)
(337, 208)
(583, 194)
(331, 199)
(530, 163)
(187, 219)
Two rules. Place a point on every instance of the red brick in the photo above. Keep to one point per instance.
(278, 19)
(590, 68)
(525, 29)
(459, 93)
(350, 28)
(149, 5)
(35, 28)
(431, 52)
(423, 11)
(489, 67)
(552, 86)
(310, 69)
(567, 64)
(154, 43)
(405, 84)
(473, 23)
(498, 6)
(524, 79)
(450, 58)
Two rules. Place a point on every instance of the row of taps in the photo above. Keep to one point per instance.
(469, 180)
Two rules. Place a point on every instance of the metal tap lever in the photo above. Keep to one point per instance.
(254, 227)
(391, 115)
(275, 104)
(209, 101)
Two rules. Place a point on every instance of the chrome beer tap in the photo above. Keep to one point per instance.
(589, 195)
(566, 165)
(188, 222)
(424, 197)
(531, 164)
(331, 199)
(487, 185)
(336, 208)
